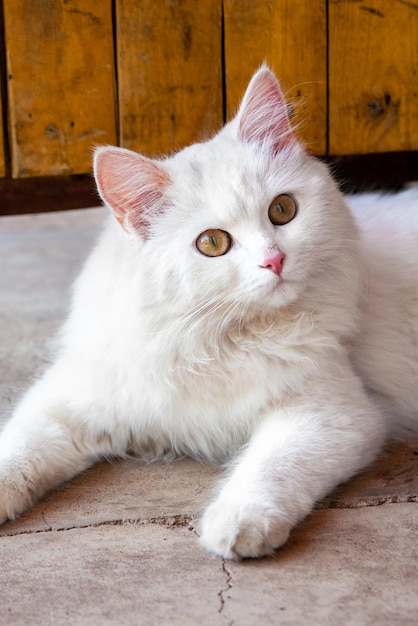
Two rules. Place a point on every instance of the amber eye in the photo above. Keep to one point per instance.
(213, 242)
(282, 209)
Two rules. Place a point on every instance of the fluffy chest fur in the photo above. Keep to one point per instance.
(184, 376)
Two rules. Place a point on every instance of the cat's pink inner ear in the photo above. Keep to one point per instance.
(131, 185)
(263, 114)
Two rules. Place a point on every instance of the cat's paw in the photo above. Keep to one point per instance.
(14, 495)
(235, 530)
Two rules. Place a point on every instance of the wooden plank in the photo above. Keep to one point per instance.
(61, 83)
(291, 36)
(2, 158)
(169, 72)
(373, 78)
(3, 167)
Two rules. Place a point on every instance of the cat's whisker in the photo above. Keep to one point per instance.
(183, 322)
(226, 317)
(242, 317)
(187, 325)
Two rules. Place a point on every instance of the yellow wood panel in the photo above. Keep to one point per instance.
(61, 83)
(169, 72)
(373, 76)
(2, 161)
(291, 36)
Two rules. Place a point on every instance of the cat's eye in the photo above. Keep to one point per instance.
(213, 242)
(282, 210)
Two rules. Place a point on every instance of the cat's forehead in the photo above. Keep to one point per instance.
(228, 176)
(200, 162)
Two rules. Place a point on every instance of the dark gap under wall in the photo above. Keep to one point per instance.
(370, 172)
(49, 193)
(57, 193)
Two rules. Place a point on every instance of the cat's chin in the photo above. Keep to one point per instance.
(276, 294)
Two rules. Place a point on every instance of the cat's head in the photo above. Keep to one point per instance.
(243, 221)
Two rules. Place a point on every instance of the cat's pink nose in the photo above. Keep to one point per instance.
(274, 262)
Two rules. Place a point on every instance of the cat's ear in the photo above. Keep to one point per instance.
(131, 185)
(263, 117)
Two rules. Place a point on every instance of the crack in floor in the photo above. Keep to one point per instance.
(222, 592)
(328, 503)
(189, 521)
(172, 521)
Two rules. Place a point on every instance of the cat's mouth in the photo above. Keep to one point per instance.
(274, 281)
(276, 291)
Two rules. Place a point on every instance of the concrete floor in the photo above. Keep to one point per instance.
(118, 545)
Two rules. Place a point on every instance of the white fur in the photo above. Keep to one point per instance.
(168, 352)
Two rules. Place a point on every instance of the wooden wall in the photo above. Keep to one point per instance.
(373, 76)
(2, 156)
(154, 76)
(61, 84)
(169, 70)
(291, 35)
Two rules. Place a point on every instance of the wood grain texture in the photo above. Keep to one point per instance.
(373, 76)
(169, 72)
(61, 83)
(291, 36)
(2, 159)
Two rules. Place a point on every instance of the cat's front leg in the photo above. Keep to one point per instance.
(297, 455)
(46, 442)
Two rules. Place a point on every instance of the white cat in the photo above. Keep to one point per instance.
(233, 312)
